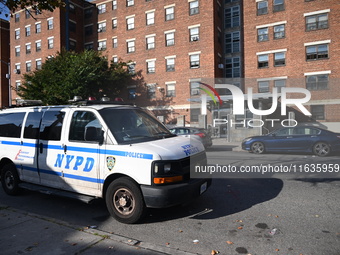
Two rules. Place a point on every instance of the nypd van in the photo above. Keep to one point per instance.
(116, 152)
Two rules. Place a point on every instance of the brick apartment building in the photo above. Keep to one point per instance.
(295, 44)
(169, 45)
(172, 45)
(4, 65)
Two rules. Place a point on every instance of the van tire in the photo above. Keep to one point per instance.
(10, 179)
(124, 201)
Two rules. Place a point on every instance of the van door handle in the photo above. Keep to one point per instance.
(41, 147)
(65, 148)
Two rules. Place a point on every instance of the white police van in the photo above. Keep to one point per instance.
(116, 152)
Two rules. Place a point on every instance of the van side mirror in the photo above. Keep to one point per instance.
(91, 134)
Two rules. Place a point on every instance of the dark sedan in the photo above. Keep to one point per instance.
(305, 139)
(200, 133)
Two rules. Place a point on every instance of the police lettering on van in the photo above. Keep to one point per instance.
(116, 152)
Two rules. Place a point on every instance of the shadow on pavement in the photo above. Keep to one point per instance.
(225, 197)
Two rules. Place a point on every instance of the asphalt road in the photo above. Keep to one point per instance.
(235, 216)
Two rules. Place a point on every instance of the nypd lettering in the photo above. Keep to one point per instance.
(189, 149)
(74, 162)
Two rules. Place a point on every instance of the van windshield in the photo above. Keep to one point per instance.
(133, 125)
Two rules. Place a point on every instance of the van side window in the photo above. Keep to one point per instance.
(82, 124)
(32, 125)
(51, 125)
(10, 124)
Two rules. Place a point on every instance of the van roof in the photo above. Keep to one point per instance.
(93, 105)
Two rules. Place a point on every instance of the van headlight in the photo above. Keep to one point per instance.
(162, 168)
(165, 172)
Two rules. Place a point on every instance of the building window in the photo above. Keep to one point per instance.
(17, 17)
(101, 27)
(101, 8)
(233, 67)
(101, 45)
(115, 59)
(28, 66)
(318, 112)
(170, 39)
(88, 13)
(171, 90)
(88, 30)
(194, 60)
(28, 31)
(114, 5)
(262, 7)
(17, 69)
(131, 46)
(317, 52)
(27, 14)
(151, 90)
(279, 84)
(38, 64)
(50, 43)
(150, 42)
(72, 8)
(132, 68)
(151, 66)
(72, 26)
(170, 13)
(194, 8)
(232, 42)
(262, 34)
(17, 84)
(17, 34)
(317, 82)
(88, 46)
(317, 22)
(232, 17)
(278, 5)
(194, 34)
(17, 51)
(38, 28)
(170, 64)
(150, 18)
(262, 61)
(114, 23)
(114, 42)
(72, 44)
(279, 59)
(194, 88)
(263, 86)
(50, 24)
(194, 113)
(279, 31)
(28, 48)
(130, 23)
(38, 46)
(130, 2)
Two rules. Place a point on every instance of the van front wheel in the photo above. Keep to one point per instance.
(10, 179)
(124, 201)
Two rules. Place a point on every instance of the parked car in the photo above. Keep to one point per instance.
(306, 139)
(203, 135)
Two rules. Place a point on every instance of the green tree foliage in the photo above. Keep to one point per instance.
(70, 74)
(15, 5)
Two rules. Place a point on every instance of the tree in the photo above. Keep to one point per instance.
(70, 74)
(15, 5)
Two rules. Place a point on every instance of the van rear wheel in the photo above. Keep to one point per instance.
(124, 201)
(10, 179)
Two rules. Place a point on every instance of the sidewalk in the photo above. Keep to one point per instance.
(223, 144)
(25, 233)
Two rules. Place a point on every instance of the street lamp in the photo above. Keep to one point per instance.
(8, 76)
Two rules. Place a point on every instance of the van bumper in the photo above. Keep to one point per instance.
(173, 194)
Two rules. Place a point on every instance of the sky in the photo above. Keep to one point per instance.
(4, 10)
